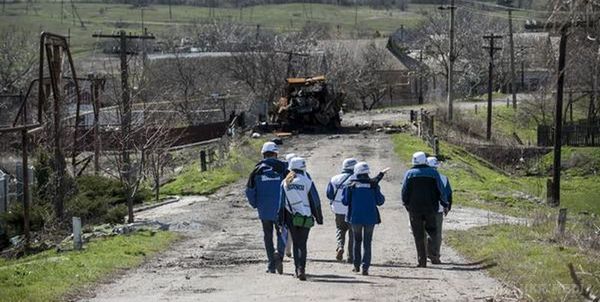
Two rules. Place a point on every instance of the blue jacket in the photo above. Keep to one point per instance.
(262, 189)
(447, 190)
(363, 196)
(423, 190)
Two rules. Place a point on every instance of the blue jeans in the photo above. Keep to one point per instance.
(363, 234)
(268, 226)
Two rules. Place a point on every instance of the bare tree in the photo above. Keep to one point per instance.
(370, 83)
(17, 58)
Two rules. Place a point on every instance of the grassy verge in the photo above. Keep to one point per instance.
(528, 257)
(49, 276)
(239, 163)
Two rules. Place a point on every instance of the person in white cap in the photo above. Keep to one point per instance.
(300, 207)
(263, 193)
(288, 242)
(434, 243)
(422, 194)
(335, 189)
(362, 196)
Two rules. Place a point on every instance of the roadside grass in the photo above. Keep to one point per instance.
(238, 163)
(50, 276)
(505, 122)
(46, 16)
(528, 257)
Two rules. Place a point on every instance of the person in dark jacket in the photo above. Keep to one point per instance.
(362, 196)
(434, 243)
(422, 195)
(263, 193)
(300, 206)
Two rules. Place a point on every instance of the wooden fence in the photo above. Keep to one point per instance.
(576, 134)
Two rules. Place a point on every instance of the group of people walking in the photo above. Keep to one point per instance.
(288, 205)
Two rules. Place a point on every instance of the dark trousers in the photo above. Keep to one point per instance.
(268, 227)
(434, 243)
(423, 225)
(340, 234)
(299, 240)
(363, 235)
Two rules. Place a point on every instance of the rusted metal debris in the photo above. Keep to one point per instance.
(308, 103)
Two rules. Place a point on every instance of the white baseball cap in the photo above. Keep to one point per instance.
(269, 147)
(361, 168)
(433, 162)
(289, 156)
(298, 163)
(419, 158)
(349, 163)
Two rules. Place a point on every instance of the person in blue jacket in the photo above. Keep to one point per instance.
(300, 206)
(362, 196)
(422, 195)
(263, 193)
(434, 243)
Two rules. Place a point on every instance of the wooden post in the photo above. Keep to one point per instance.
(549, 195)
(25, 178)
(203, 161)
(558, 118)
(77, 240)
(561, 222)
(436, 146)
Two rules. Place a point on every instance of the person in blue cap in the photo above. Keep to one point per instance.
(362, 196)
(434, 243)
(335, 190)
(300, 207)
(263, 193)
(422, 195)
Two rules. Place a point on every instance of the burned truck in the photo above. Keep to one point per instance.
(308, 104)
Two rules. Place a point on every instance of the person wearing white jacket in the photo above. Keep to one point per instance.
(300, 208)
(334, 194)
(288, 246)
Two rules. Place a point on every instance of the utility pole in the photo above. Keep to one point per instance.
(25, 166)
(421, 78)
(513, 81)
(451, 59)
(126, 112)
(562, 53)
(492, 49)
(170, 12)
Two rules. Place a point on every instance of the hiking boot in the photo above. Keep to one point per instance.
(301, 274)
(356, 269)
(422, 264)
(278, 263)
(350, 260)
(269, 271)
(339, 254)
(436, 260)
(365, 271)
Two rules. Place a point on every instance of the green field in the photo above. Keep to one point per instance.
(46, 16)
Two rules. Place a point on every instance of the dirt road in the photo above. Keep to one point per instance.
(222, 257)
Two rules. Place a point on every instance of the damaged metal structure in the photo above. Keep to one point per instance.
(308, 103)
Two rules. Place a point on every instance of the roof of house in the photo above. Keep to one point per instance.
(356, 49)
